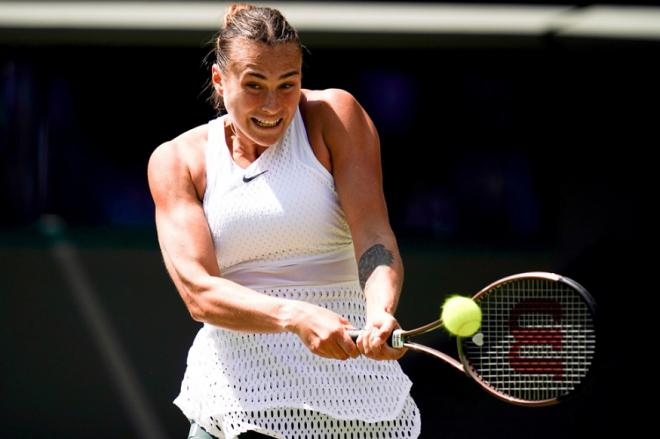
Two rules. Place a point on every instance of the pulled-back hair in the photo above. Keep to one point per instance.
(249, 22)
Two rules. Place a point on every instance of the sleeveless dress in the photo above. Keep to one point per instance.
(278, 228)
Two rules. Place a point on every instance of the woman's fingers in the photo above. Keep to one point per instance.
(374, 341)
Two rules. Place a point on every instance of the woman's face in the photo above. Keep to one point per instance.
(261, 89)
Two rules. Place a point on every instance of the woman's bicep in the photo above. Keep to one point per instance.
(183, 232)
(185, 240)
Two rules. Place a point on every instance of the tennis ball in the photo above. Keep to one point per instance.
(461, 316)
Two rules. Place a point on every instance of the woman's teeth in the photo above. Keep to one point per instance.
(266, 123)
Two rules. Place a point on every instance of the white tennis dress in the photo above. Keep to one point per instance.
(278, 228)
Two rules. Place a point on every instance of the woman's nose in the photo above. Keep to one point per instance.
(271, 103)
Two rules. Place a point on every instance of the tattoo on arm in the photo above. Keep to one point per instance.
(376, 255)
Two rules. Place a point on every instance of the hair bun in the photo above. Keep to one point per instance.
(234, 9)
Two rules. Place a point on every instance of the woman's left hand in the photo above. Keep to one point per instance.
(372, 343)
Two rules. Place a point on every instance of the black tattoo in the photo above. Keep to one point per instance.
(376, 255)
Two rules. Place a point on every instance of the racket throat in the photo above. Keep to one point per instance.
(446, 358)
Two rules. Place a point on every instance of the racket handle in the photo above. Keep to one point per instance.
(394, 341)
(354, 333)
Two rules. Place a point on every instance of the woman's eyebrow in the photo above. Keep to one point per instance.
(261, 76)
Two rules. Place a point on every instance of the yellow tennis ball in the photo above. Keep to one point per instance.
(461, 316)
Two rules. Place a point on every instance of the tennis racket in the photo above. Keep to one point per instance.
(536, 343)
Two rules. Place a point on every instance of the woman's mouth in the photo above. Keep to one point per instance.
(266, 123)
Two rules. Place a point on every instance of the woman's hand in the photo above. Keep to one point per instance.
(323, 331)
(373, 341)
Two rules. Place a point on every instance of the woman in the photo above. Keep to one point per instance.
(261, 216)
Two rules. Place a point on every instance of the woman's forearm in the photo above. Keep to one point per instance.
(227, 304)
(381, 277)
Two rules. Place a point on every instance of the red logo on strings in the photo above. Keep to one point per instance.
(526, 336)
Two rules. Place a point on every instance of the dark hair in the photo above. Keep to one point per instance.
(249, 22)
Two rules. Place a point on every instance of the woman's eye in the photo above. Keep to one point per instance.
(253, 85)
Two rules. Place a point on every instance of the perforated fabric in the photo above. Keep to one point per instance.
(284, 234)
(289, 209)
(300, 423)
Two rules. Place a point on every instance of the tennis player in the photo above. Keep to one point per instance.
(273, 227)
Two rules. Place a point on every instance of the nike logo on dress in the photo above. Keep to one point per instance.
(247, 179)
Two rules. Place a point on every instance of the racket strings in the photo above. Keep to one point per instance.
(539, 340)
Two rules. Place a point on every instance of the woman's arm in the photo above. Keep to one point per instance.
(189, 256)
(354, 146)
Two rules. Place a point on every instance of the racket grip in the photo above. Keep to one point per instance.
(354, 333)
(394, 341)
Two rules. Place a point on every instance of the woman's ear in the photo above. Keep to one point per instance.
(216, 79)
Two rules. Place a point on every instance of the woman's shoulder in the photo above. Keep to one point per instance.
(185, 147)
(183, 154)
(331, 109)
(334, 111)
(188, 141)
(327, 100)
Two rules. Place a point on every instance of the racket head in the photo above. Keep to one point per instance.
(537, 341)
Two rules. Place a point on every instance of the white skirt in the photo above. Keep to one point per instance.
(271, 383)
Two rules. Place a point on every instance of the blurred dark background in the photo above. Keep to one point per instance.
(501, 154)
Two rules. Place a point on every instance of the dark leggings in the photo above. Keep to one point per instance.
(197, 432)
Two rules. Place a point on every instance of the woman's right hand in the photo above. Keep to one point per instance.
(323, 331)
